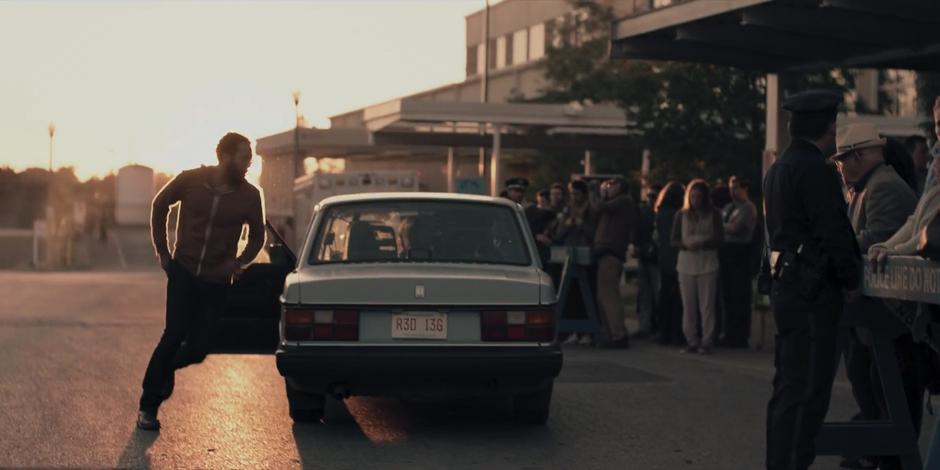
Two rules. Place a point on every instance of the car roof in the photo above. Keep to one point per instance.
(422, 196)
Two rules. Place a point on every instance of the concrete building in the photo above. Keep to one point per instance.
(513, 47)
(504, 50)
(519, 34)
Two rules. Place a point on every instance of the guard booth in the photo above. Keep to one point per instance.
(309, 190)
(788, 37)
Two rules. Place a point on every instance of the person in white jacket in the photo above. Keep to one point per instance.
(904, 241)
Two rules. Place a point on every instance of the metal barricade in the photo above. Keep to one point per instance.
(577, 264)
(905, 279)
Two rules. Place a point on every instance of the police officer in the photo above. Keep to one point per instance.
(815, 265)
(538, 218)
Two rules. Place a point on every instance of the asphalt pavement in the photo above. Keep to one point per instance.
(74, 347)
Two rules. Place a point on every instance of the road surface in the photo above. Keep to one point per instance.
(75, 345)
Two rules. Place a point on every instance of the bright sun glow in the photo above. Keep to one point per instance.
(159, 83)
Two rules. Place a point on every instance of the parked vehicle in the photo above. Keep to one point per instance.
(412, 295)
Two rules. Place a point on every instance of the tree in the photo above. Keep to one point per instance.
(698, 120)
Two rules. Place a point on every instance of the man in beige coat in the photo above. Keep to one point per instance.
(879, 199)
(616, 219)
(879, 204)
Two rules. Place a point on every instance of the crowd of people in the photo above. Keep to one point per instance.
(694, 248)
(833, 195)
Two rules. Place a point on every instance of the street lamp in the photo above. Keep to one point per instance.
(51, 135)
(298, 163)
(296, 95)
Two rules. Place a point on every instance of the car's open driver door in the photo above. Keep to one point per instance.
(248, 322)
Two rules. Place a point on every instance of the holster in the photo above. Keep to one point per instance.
(805, 268)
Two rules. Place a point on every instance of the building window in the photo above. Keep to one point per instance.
(501, 52)
(536, 41)
(509, 50)
(491, 53)
(472, 60)
(520, 46)
(481, 58)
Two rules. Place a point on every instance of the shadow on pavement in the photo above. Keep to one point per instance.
(135, 452)
(400, 428)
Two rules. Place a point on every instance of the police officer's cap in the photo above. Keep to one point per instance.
(813, 101)
(517, 183)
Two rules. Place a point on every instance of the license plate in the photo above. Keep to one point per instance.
(419, 325)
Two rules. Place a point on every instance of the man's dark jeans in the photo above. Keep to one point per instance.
(191, 306)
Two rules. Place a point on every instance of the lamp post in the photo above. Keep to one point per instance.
(51, 135)
(298, 162)
(49, 226)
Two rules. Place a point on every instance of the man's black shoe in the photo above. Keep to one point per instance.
(168, 386)
(148, 421)
(622, 343)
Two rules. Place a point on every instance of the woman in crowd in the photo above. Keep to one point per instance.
(575, 228)
(698, 233)
(904, 242)
(897, 157)
(669, 312)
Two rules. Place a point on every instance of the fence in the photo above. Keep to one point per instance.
(911, 287)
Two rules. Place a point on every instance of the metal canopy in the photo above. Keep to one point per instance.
(415, 123)
(401, 113)
(316, 141)
(786, 35)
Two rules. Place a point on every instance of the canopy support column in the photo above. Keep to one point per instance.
(494, 162)
(777, 136)
(450, 169)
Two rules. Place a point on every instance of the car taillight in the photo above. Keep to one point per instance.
(304, 324)
(517, 325)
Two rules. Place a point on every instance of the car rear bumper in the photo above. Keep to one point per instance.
(419, 370)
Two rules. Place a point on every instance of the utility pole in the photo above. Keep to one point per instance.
(484, 85)
(298, 162)
(51, 135)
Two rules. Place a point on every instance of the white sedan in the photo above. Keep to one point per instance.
(418, 294)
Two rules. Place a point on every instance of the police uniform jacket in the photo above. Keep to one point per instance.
(804, 205)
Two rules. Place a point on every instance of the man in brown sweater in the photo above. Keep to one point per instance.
(616, 215)
(215, 203)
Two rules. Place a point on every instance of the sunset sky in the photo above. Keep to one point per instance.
(159, 83)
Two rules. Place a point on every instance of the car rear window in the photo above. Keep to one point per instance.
(419, 231)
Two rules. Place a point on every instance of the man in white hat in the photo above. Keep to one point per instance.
(879, 204)
(879, 199)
